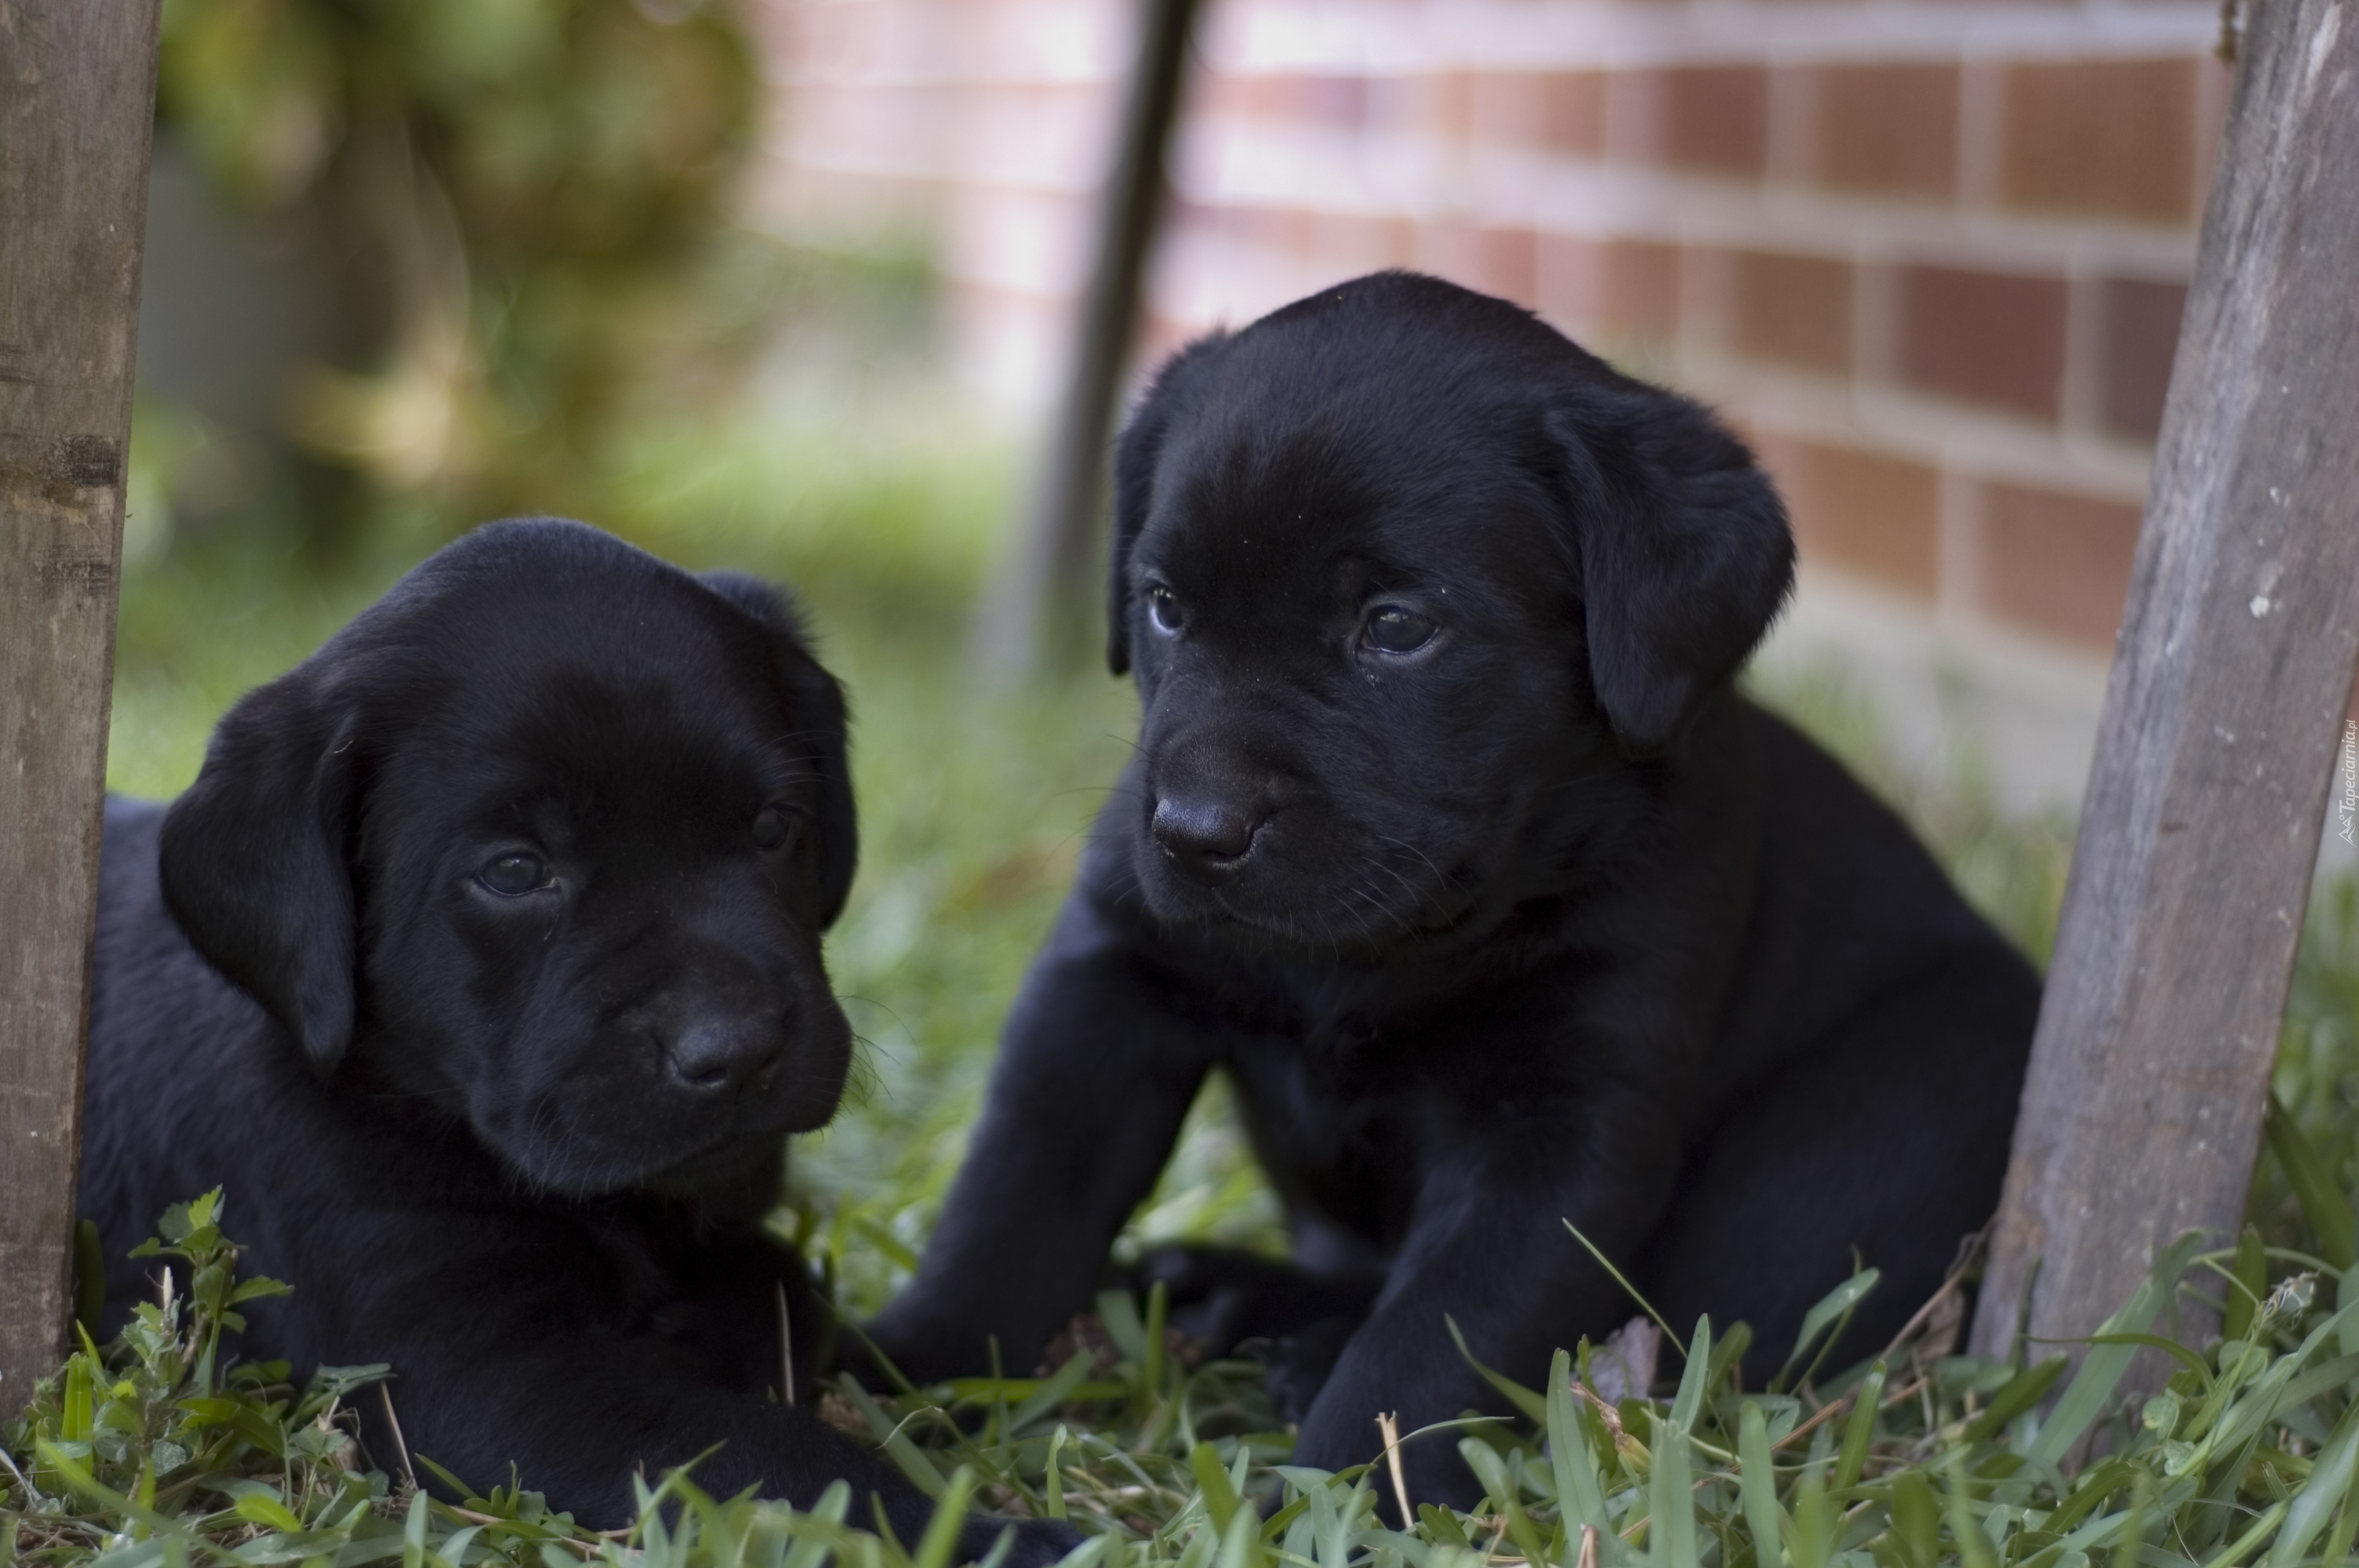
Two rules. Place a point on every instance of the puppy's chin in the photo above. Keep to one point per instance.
(601, 1128)
(579, 1168)
(624, 1159)
(1273, 909)
(722, 1173)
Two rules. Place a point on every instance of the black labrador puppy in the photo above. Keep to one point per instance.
(1449, 841)
(482, 965)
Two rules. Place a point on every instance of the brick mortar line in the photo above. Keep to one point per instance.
(823, 160)
(1268, 41)
(1591, 199)
(1876, 415)
(1608, 38)
(1890, 420)
(2052, 672)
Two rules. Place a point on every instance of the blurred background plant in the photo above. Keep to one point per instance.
(456, 246)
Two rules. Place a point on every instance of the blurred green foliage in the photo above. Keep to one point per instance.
(2317, 1078)
(526, 205)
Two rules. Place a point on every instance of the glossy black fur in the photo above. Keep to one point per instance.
(1537, 922)
(519, 1146)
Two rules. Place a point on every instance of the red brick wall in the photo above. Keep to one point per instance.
(1930, 254)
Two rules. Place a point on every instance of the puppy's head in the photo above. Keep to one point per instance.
(548, 834)
(1413, 587)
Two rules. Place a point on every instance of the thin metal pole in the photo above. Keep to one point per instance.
(1040, 603)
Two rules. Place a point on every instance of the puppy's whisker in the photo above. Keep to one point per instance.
(1416, 893)
(1422, 855)
(1408, 927)
(1575, 781)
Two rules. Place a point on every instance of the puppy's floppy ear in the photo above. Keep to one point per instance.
(820, 710)
(1136, 456)
(255, 859)
(1685, 554)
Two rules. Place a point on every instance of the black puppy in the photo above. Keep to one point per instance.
(1448, 840)
(482, 965)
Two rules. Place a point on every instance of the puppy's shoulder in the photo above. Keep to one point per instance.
(135, 932)
(1838, 863)
(168, 1035)
(176, 1054)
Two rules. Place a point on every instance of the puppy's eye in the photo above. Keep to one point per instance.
(771, 826)
(1394, 629)
(1163, 608)
(513, 876)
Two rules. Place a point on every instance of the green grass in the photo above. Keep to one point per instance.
(162, 1451)
(974, 805)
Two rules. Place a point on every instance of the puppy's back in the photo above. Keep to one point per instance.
(1850, 905)
(173, 1079)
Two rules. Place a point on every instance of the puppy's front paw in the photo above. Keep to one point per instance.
(1213, 1293)
(1037, 1543)
(1300, 1364)
(921, 1342)
(1224, 1295)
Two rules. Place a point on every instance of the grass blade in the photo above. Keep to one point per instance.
(2329, 1481)
(1524, 1400)
(942, 1537)
(1574, 1467)
(2322, 1201)
(2101, 1371)
(1671, 1537)
(1836, 1304)
(1757, 1482)
(2247, 1281)
(906, 1454)
(2022, 1391)
(1629, 1288)
(1219, 1497)
(1860, 1429)
(1973, 1546)
(1693, 1380)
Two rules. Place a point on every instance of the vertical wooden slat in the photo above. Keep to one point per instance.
(2151, 1068)
(77, 109)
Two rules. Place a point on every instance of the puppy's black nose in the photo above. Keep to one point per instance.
(1203, 840)
(723, 1056)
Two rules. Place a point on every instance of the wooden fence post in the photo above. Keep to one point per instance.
(2150, 1070)
(76, 112)
(1043, 591)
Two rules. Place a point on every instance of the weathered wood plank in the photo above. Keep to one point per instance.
(1044, 590)
(2152, 1065)
(77, 109)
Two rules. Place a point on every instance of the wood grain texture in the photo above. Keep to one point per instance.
(77, 111)
(2151, 1066)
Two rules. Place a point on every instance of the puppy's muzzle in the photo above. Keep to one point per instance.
(1204, 841)
(726, 1055)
